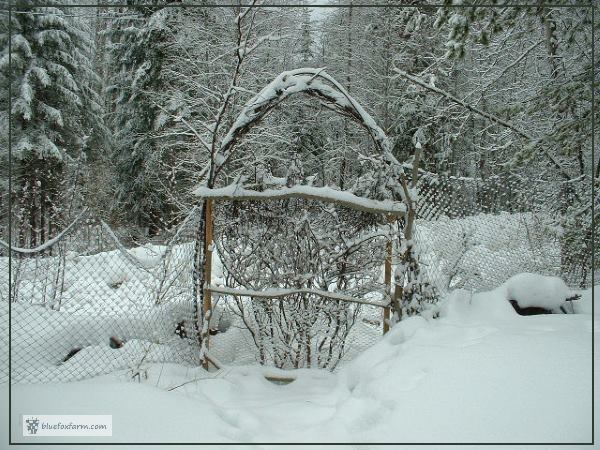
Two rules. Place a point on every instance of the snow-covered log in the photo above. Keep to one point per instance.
(238, 193)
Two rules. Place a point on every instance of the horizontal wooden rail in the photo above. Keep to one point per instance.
(237, 192)
(280, 293)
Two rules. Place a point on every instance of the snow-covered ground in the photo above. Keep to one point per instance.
(478, 373)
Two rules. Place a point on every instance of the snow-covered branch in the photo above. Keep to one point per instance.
(49, 243)
(313, 82)
(485, 114)
(326, 194)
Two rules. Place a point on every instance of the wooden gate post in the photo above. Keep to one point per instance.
(387, 278)
(408, 257)
(208, 248)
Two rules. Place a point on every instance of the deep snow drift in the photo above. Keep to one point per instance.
(533, 290)
(478, 373)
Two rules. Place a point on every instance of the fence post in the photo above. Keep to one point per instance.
(387, 278)
(407, 260)
(208, 246)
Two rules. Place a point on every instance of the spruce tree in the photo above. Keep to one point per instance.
(54, 108)
(138, 46)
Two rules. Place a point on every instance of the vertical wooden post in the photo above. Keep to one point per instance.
(387, 278)
(408, 232)
(208, 247)
(412, 210)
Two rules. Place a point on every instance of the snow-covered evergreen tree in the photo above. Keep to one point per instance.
(138, 44)
(55, 109)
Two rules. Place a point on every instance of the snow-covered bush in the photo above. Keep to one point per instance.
(299, 244)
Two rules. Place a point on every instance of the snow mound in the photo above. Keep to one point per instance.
(462, 306)
(533, 290)
(149, 255)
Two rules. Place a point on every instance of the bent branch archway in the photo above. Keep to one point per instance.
(399, 201)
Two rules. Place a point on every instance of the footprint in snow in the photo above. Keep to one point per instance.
(229, 418)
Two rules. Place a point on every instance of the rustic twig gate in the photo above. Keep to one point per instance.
(400, 198)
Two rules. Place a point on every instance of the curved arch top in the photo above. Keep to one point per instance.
(313, 82)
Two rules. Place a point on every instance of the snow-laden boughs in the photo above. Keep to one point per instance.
(414, 292)
(55, 109)
(138, 44)
(554, 106)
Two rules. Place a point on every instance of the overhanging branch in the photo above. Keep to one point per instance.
(489, 116)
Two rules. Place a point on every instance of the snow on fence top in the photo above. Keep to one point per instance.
(237, 192)
(49, 243)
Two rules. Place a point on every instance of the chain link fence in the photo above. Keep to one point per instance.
(475, 234)
(94, 301)
(87, 305)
